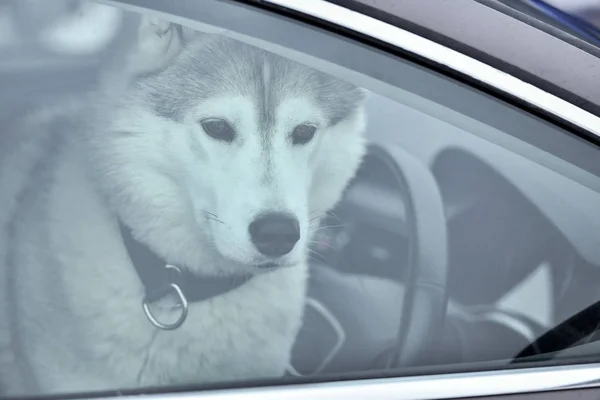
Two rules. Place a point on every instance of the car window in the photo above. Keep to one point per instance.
(207, 195)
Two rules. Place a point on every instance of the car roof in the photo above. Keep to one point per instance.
(498, 35)
(574, 17)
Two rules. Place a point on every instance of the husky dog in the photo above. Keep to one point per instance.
(217, 157)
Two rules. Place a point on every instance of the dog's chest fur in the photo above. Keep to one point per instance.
(74, 300)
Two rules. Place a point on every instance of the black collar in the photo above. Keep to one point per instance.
(158, 279)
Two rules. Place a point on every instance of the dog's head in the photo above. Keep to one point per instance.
(222, 156)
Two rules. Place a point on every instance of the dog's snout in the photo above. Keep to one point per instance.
(275, 234)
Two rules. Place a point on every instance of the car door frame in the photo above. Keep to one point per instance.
(561, 106)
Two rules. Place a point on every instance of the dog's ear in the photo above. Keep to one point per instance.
(157, 43)
(365, 93)
(149, 44)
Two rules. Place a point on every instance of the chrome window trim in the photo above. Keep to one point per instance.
(408, 41)
(449, 386)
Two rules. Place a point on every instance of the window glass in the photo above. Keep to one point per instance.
(207, 194)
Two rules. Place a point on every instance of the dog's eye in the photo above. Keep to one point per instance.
(303, 134)
(218, 129)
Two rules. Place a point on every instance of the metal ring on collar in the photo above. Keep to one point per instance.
(184, 311)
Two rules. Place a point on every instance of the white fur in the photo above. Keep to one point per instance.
(75, 303)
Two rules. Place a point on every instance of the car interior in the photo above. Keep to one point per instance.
(513, 271)
(452, 244)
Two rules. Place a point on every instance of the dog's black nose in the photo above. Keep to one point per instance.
(274, 234)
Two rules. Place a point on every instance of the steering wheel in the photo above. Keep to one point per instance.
(423, 307)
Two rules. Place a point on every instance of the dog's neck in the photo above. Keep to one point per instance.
(158, 279)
